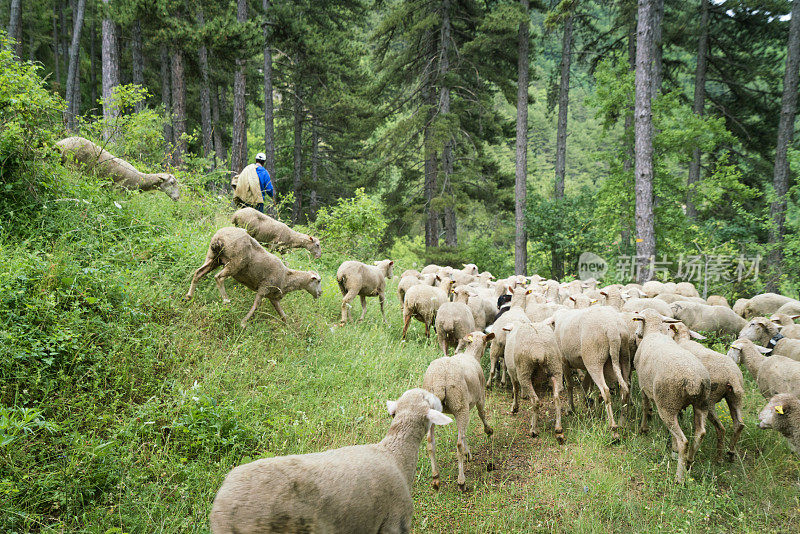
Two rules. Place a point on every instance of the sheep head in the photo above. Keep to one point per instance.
(759, 330)
(169, 185)
(314, 285)
(777, 409)
(313, 246)
(420, 403)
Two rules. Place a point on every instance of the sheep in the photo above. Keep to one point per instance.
(485, 278)
(576, 302)
(551, 290)
(717, 300)
(410, 272)
(125, 175)
(422, 302)
(488, 301)
(639, 304)
(267, 230)
(670, 298)
(652, 288)
(613, 297)
(454, 321)
(406, 281)
(764, 304)
(773, 375)
(593, 339)
(790, 308)
(515, 314)
(360, 488)
(764, 332)
(686, 289)
(782, 413)
(432, 268)
(673, 378)
(461, 278)
(726, 383)
(739, 305)
(537, 312)
(471, 269)
(590, 284)
(474, 302)
(243, 258)
(788, 327)
(358, 279)
(702, 317)
(458, 383)
(533, 360)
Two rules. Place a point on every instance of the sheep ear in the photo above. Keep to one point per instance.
(779, 409)
(604, 293)
(391, 262)
(488, 336)
(794, 317)
(311, 239)
(696, 335)
(438, 418)
(572, 299)
(508, 328)
(637, 318)
(391, 406)
(550, 321)
(528, 292)
(762, 350)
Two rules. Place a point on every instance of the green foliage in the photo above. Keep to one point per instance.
(353, 227)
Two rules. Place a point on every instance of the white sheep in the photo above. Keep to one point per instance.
(125, 175)
(673, 378)
(454, 321)
(358, 279)
(468, 296)
(515, 314)
(704, 318)
(422, 302)
(782, 413)
(360, 488)
(267, 230)
(764, 304)
(408, 280)
(773, 375)
(243, 258)
(764, 332)
(787, 325)
(534, 362)
(457, 382)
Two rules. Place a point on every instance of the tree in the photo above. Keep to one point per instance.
(15, 26)
(73, 86)
(780, 180)
(521, 159)
(205, 90)
(110, 59)
(643, 140)
(658, 48)
(450, 235)
(699, 104)
(166, 92)
(137, 59)
(269, 113)
(178, 103)
(239, 143)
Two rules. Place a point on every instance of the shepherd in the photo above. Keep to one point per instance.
(253, 185)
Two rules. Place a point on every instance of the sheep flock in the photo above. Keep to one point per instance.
(541, 336)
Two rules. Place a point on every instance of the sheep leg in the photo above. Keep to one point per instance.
(220, 279)
(427, 330)
(679, 439)
(494, 354)
(586, 388)
(646, 407)
(482, 414)
(432, 456)
(503, 372)
(462, 422)
(277, 305)
(735, 407)
(556, 382)
(700, 416)
(525, 381)
(406, 323)
(346, 299)
(256, 302)
(363, 307)
(568, 381)
(515, 394)
(381, 299)
(605, 393)
(207, 267)
(443, 344)
(720, 430)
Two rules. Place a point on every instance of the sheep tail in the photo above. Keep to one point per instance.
(341, 281)
(440, 390)
(614, 349)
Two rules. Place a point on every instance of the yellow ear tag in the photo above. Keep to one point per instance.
(779, 409)
(471, 339)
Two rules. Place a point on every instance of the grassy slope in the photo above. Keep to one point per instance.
(157, 399)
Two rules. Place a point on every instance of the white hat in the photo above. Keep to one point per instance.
(261, 157)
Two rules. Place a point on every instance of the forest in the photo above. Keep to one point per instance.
(624, 141)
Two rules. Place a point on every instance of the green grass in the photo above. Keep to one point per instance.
(147, 401)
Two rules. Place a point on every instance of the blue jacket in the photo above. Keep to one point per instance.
(265, 181)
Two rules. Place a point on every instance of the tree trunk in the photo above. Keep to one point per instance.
(239, 142)
(658, 49)
(269, 113)
(110, 73)
(205, 92)
(72, 73)
(450, 233)
(627, 164)
(699, 105)
(643, 141)
(314, 165)
(178, 106)
(166, 94)
(93, 62)
(220, 154)
(563, 106)
(297, 182)
(62, 37)
(521, 163)
(431, 215)
(780, 179)
(15, 26)
(137, 60)
(56, 46)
